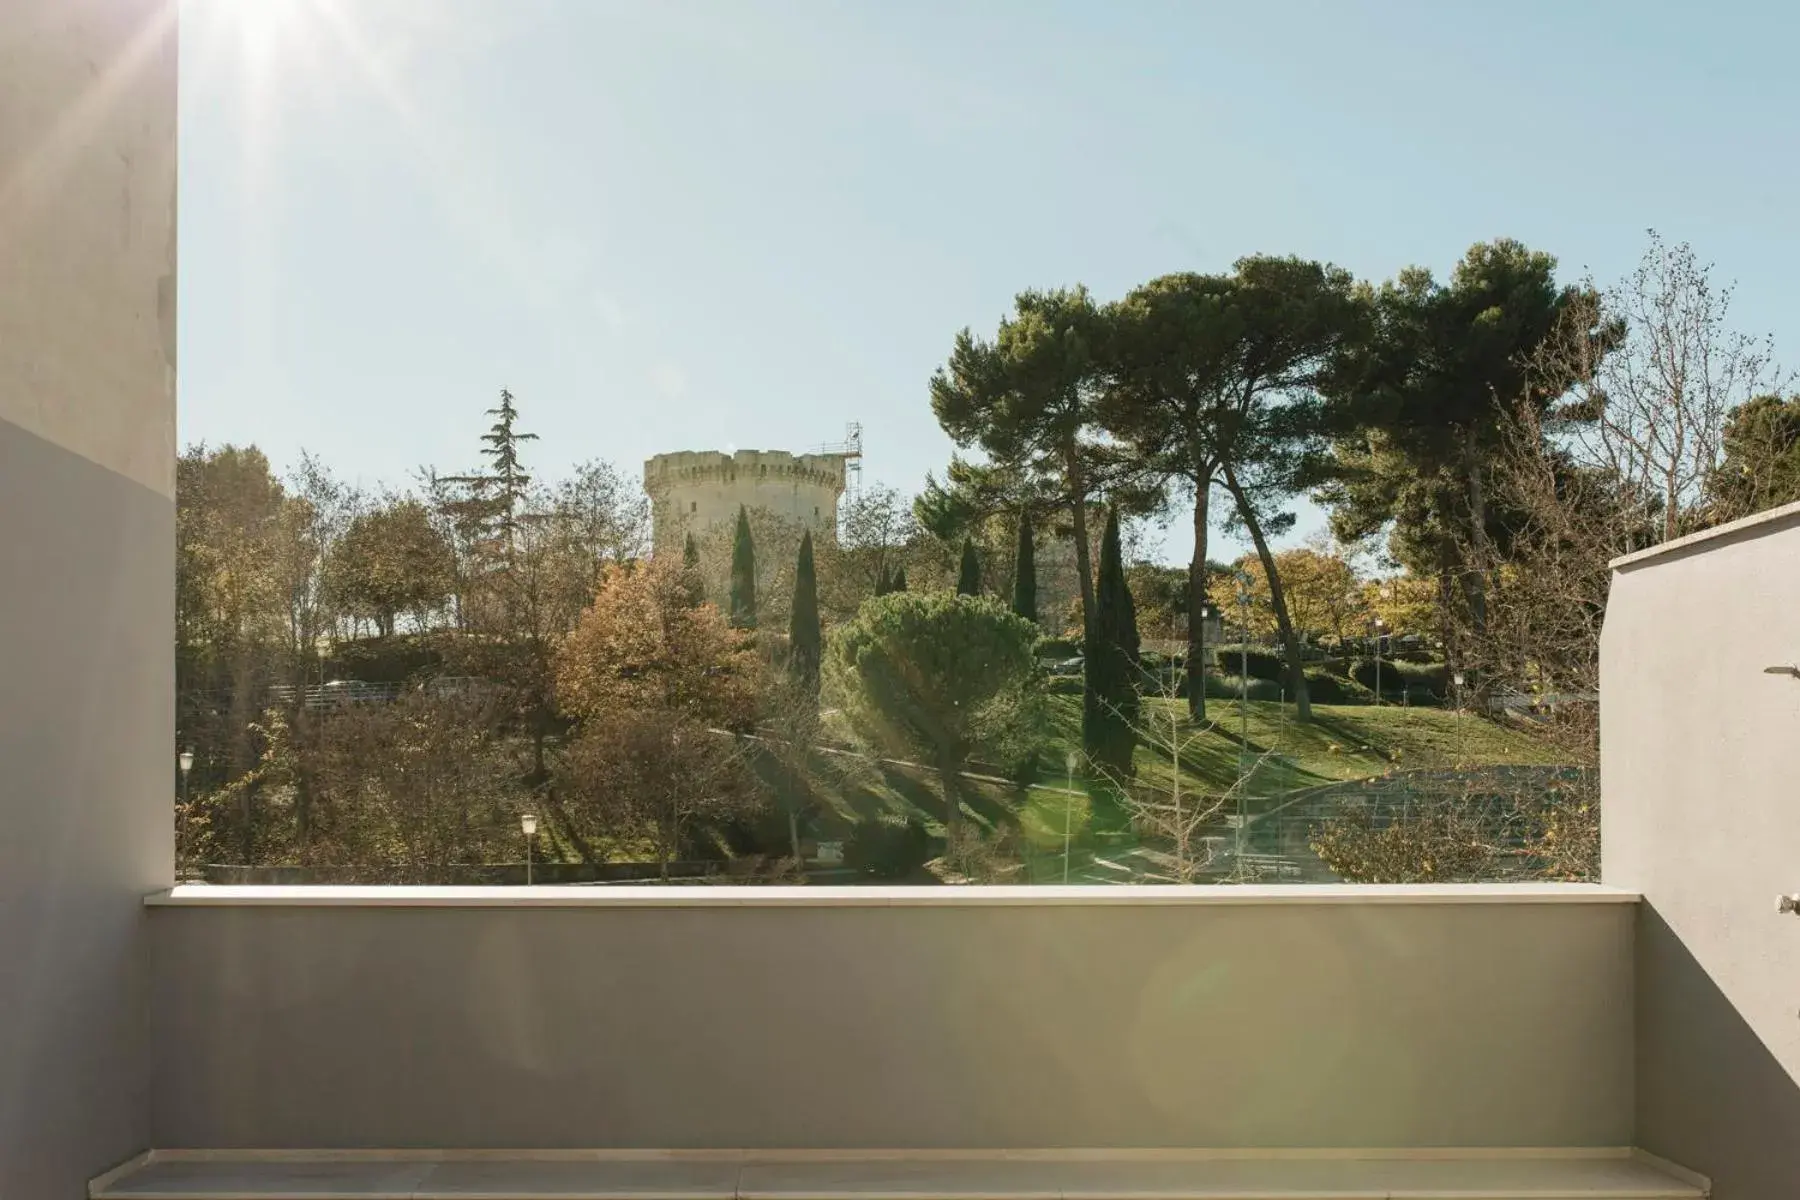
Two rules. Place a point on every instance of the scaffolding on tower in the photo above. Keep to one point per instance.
(850, 450)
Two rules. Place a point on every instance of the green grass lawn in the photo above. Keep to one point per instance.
(1343, 742)
(1351, 741)
(847, 788)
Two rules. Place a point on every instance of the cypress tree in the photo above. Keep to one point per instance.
(1025, 571)
(968, 582)
(743, 575)
(803, 618)
(883, 584)
(1109, 706)
(690, 570)
(898, 582)
(1130, 644)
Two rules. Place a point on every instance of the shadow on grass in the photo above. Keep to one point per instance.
(845, 790)
(1334, 730)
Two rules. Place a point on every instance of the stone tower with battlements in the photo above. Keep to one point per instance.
(693, 490)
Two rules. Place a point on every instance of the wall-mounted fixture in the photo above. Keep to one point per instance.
(1788, 904)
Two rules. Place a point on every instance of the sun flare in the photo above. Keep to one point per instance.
(263, 29)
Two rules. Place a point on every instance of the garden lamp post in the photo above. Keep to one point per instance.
(185, 762)
(1068, 809)
(1243, 599)
(528, 826)
(1208, 612)
(1380, 636)
(1457, 679)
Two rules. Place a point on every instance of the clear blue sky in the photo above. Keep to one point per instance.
(733, 224)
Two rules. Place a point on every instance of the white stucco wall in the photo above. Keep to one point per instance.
(87, 573)
(1700, 766)
(87, 229)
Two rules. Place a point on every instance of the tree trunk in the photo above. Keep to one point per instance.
(1671, 511)
(1083, 560)
(1290, 642)
(949, 777)
(566, 831)
(244, 755)
(1196, 630)
(243, 712)
(793, 815)
(247, 809)
(540, 769)
(1453, 657)
(300, 730)
(670, 848)
(1183, 830)
(1475, 577)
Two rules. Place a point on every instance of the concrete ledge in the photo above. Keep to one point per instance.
(1440, 1174)
(1756, 525)
(701, 896)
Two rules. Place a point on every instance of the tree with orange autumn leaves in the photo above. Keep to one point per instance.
(655, 684)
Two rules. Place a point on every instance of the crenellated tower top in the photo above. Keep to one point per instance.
(691, 490)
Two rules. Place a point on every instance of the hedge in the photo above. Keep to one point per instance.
(1228, 687)
(1426, 681)
(1261, 664)
(1323, 687)
(888, 847)
(385, 660)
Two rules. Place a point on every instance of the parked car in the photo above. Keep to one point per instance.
(337, 692)
(445, 686)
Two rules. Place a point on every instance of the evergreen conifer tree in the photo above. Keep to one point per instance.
(1024, 600)
(968, 580)
(1109, 708)
(803, 618)
(743, 575)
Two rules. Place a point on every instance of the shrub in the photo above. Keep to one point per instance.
(1063, 685)
(1261, 664)
(385, 660)
(1022, 768)
(1326, 688)
(1428, 682)
(1227, 687)
(1058, 648)
(889, 847)
(763, 832)
(1158, 673)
